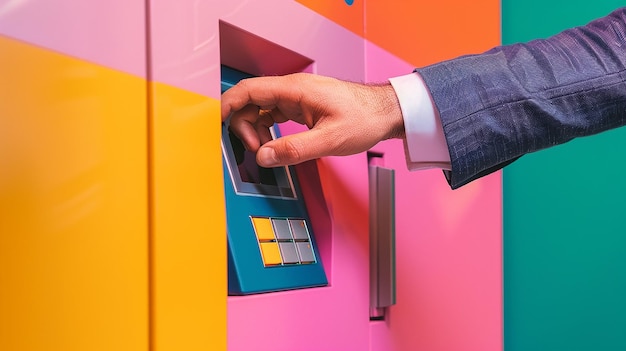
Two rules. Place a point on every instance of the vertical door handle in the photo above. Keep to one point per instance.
(382, 240)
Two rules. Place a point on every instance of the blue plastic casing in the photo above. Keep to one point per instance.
(247, 273)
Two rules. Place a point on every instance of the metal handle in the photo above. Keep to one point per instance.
(382, 240)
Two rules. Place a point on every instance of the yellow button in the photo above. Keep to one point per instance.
(271, 254)
(263, 228)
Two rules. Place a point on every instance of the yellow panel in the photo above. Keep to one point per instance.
(189, 222)
(263, 228)
(271, 254)
(73, 204)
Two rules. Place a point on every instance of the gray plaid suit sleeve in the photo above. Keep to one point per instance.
(520, 98)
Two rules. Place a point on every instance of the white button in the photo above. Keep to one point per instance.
(289, 253)
(299, 229)
(281, 229)
(306, 252)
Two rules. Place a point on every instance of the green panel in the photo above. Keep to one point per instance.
(564, 219)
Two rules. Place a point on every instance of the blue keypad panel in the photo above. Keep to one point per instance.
(271, 242)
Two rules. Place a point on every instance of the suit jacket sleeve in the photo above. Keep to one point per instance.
(515, 99)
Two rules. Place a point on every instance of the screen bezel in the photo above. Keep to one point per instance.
(284, 188)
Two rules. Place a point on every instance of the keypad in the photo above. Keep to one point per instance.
(283, 241)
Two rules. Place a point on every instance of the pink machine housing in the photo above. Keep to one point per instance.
(448, 243)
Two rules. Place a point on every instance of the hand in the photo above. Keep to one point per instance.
(343, 118)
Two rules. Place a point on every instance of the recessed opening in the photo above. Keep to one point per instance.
(257, 56)
(253, 55)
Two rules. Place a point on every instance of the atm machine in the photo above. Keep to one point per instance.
(280, 297)
(298, 256)
(271, 246)
(360, 292)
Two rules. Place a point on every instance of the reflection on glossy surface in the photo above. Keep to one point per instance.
(10, 5)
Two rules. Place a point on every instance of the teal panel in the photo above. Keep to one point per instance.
(564, 219)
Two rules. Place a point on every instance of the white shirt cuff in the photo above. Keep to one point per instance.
(425, 145)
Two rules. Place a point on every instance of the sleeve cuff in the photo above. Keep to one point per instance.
(425, 144)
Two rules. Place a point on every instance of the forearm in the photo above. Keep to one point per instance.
(512, 100)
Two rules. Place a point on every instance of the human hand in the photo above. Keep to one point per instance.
(343, 118)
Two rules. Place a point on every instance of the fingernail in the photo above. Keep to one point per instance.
(267, 157)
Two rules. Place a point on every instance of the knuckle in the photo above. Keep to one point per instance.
(292, 150)
(244, 83)
(334, 141)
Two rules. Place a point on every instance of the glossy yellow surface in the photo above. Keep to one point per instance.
(73, 204)
(263, 228)
(271, 254)
(188, 222)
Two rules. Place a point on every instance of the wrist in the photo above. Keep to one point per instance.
(388, 111)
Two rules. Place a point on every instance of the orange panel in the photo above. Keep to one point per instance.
(348, 16)
(425, 32)
(73, 204)
(420, 32)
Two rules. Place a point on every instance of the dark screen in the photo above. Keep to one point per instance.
(249, 170)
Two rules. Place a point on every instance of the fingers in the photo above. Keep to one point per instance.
(265, 92)
(293, 149)
(243, 124)
(252, 126)
(243, 101)
(266, 120)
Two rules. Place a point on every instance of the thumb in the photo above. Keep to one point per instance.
(292, 149)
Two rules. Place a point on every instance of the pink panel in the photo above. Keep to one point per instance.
(449, 255)
(328, 318)
(381, 65)
(185, 39)
(110, 33)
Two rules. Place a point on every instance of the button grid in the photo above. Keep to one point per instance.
(283, 241)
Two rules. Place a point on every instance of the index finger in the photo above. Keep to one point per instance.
(265, 92)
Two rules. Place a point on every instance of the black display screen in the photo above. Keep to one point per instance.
(249, 170)
(250, 178)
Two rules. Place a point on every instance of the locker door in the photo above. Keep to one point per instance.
(73, 178)
(188, 225)
(448, 243)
